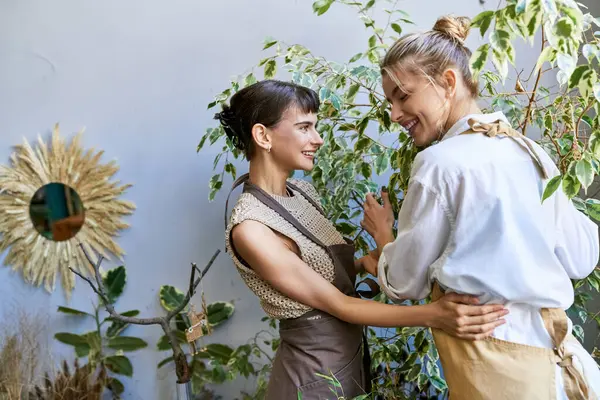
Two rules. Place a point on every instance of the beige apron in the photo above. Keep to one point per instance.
(497, 369)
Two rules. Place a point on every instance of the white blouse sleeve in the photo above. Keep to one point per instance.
(577, 245)
(423, 233)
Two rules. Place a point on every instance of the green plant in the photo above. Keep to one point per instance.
(105, 346)
(362, 144)
(216, 363)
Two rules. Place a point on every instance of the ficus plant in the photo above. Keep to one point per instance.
(363, 146)
(105, 346)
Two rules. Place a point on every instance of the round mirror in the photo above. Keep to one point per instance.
(57, 212)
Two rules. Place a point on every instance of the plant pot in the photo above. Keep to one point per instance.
(184, 391)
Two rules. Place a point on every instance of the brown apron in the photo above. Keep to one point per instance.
(497, 369)
(317, 342)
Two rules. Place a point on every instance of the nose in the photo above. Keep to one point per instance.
(396, 113)
(317, 140)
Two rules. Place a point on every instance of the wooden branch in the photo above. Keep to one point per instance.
(182, 368)
(535, 88)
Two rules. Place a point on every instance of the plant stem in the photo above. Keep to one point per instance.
(535, 87)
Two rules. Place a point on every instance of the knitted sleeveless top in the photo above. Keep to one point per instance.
(248, 207)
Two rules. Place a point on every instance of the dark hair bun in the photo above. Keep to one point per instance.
(230, 122)
(455, 27)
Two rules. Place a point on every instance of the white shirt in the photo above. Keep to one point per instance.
(473, 221)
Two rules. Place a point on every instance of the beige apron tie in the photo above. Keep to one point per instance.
(500, 127)
(555, 321)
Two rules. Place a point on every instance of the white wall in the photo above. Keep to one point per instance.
(138, 75)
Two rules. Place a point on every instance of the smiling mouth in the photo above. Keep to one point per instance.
(410, 126)
(309, 154)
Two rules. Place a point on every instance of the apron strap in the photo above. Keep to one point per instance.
(237, 183)
(307, 197)
(270, 202)
(500, 127)
(555, 320)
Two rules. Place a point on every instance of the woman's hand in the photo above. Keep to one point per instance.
(378, 220)
(368, 263)
(458, 315)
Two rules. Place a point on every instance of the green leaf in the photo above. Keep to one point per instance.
(397, 28)
(585, 173)
(372, 41)
(165, 362)
(521, 6)
(500, 40)
(596, 90)
(250, 79)
(72, 311)
(551, 187)
(116, 386)
(269, 43)
(479, 58)
(483, 21)
(355, 58)
(82, 350)
(438, 383)
(577, 75)
(382, 163)
(414, 373)
(126, 343)
(564, 27)
(571, 186)
(164, 344)
(119, 365)
(220, 352)
(321, 6)
(547, 55)
(219, 312)
(270, 69)
(578, 332)
(230, 168)
(352, 91)
(170, 297)
(114, 282)
(71, 339)
(593, 208)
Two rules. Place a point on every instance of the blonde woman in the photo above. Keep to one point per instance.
(472, 222)
(296, 262)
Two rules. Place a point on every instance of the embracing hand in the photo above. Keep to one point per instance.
(459, 316)
(368, 263)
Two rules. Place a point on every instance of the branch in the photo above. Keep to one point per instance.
(193, 286)
(535, 87)
(99, 289)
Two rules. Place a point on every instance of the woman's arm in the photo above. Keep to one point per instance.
(577, 239)
(274, 259)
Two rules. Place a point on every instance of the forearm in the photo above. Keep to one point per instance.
(373, 313)
(384, 238)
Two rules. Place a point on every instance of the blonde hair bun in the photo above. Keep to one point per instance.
(454, 27)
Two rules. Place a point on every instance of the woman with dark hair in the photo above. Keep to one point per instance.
(297, 263)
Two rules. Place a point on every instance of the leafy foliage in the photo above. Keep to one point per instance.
(362, 143)
(104, 346)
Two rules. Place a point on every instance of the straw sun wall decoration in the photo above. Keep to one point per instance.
(53, 198)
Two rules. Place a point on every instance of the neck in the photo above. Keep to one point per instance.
(460, 111)
(268, 176)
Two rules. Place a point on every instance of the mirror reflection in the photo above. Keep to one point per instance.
(57, 212)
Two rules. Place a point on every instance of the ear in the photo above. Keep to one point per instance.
(450, 79)
(261, 136)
